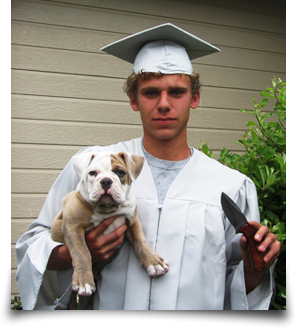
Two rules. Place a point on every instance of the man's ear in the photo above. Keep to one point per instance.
(134, 103)
(195, 100)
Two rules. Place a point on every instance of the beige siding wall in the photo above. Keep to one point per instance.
(67, 94)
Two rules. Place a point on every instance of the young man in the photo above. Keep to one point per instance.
(178, 197)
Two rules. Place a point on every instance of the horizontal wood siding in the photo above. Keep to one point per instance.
(67, 94)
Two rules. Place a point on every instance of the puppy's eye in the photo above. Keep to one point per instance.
(93, 173)
(120, 173)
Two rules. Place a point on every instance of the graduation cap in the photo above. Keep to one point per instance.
(164, 48)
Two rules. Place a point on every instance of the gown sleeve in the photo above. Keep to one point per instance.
(235, 296)
(39, 287)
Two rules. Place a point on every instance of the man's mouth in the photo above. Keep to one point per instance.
(165, 121)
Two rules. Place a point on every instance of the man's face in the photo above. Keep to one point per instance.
(164, 104)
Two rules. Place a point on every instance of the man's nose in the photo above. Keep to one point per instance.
(164, 104)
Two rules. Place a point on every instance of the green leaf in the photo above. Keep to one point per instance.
(251, 123)
(282, 290)
(264, 102)
(205, 148)
(272, 124)
(256, 182)
(270, 214)
(278, 306)
(270, 180)
(266, 94)
(254, 134)
(223, 152)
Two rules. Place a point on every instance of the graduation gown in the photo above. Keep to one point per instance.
(189, 230)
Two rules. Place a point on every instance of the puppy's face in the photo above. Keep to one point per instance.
(107, 179)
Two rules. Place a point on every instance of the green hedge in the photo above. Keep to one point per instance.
(265, 163)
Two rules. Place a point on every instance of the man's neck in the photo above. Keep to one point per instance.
(167, 150)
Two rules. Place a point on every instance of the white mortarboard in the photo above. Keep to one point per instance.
(164, 48)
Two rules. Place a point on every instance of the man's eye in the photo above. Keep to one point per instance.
(177, 92)
(121, 173)
(150, 93)
(93, 173)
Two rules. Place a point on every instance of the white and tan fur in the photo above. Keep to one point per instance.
(104, 190)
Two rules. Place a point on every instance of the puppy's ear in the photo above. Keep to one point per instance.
(82, 161)
(133, 162)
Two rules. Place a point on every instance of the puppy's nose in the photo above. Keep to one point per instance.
(106, 183)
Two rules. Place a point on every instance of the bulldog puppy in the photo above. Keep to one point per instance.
(104, 190)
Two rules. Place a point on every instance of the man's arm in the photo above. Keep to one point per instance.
(59, 259)
(246, 289)
(101, 246)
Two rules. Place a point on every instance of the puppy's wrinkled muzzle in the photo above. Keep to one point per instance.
(106, 199)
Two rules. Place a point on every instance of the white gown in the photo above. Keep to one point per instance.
(189, 230)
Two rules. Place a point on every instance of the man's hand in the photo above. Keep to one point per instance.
(101, 246)
(270, 248)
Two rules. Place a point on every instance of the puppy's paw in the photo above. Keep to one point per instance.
(150, 260)
(84, 284)
(85, 290)
(158, 270)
